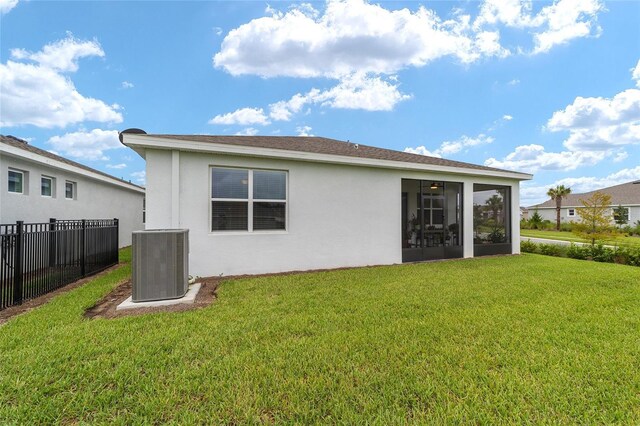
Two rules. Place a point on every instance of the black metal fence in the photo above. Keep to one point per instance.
(37, 258)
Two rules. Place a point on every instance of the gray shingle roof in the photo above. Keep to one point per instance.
(624, 194)
(320, 145)
(24, 145)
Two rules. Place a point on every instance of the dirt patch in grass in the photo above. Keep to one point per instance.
(106, 307)
(28, 305)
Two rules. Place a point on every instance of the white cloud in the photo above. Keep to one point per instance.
(41, 95)
(242, 116)
(249, 131)
(566, 20)
(507, 117)
(283, 110)
(513, 82)
(7, 5)
(140, 177)
(635, 74)
(217, 30)
(554, 25)
(600, 123)
(127, 85)
(304, 131)
(87, 145)
(531, 158)
(452, 147)
(533, 193)
(422, 150)
(357, 91)
(61, 55)
(598, 128)
(116, 166)
(349, 36)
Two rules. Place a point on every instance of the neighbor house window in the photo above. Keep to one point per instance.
(16, 181)
(572, 212)
(248, 200)
(47, 186)
(144, 209)
(70, 190)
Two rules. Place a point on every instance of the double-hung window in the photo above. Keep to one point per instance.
(248, 200)
(70, 190)
(16, 181)
(46, 186)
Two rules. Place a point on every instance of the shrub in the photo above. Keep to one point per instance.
(576, 251)
(628, 256)
(600, 253)
(528, 246)
(566, 226)
(496, 236)
(550, 249)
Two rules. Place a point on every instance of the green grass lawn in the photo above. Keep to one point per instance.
(570, 236)
(505, 339)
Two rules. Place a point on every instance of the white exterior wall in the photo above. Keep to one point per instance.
(338, 215)
(550, 214)
(94, 199)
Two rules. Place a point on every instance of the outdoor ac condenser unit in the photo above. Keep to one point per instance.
(160, 264)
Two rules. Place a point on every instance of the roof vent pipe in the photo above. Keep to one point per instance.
(132, 131)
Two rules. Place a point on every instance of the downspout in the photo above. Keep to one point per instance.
(175, 189)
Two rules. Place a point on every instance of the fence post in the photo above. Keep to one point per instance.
(83, 252)
(52, 242)
(17, 271)
(117, 223)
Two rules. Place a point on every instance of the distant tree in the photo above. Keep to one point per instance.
(620, 215)
(557, 194)
(595, 219)
(535, 221)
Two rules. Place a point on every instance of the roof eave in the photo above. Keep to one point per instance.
(32, 156)
(140, 143)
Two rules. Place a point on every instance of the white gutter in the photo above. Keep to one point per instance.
(140, 142)
(37, 158)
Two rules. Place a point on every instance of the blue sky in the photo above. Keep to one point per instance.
(550, 88)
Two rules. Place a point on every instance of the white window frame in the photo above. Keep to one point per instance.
(53, 186)
(249, 200)
(23, 180)
(569, 214)
(74, 189)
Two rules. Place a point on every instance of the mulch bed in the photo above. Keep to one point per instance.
(28, 305)
(106, 307)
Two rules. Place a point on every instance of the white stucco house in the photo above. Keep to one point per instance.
(263, 204)
(37, 185)
(626, 195)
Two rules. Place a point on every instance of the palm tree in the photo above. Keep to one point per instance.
(556, 194)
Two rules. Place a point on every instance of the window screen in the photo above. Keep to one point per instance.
(229, 215)
(269, 216)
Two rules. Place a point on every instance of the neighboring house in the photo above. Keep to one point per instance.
(37, 185)
(626, 195)
(261, 204)
(524, 213)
